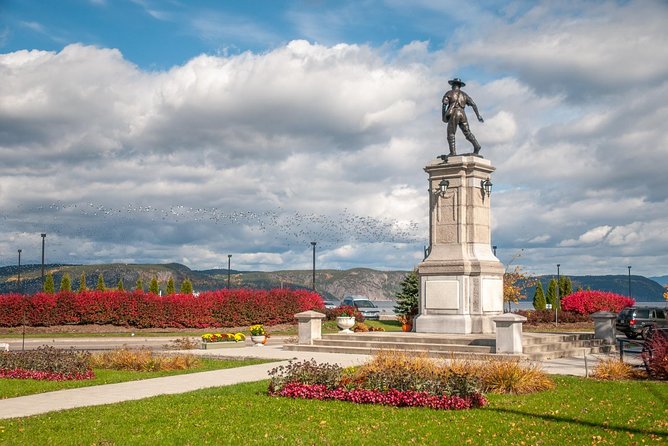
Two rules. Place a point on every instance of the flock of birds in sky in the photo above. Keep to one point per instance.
(286, 228)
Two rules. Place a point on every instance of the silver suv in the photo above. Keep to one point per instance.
(368, 309)
(634, 321)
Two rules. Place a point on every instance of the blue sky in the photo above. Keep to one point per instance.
(174, 131)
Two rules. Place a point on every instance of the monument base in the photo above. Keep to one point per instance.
(443, 323)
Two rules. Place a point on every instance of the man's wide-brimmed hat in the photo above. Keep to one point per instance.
(457, 81)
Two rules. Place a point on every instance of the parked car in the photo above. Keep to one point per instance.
(368, 309)
(634, 321)
(331, 303)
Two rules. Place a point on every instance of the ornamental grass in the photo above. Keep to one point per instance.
(142, 360)
(613, 369)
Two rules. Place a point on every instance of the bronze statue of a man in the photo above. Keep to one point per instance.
(454, 102)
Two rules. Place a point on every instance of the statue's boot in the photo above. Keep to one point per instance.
(451, 144)
(472, 140)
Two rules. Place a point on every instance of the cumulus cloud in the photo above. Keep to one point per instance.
(257, 154)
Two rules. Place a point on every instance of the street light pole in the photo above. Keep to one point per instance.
(19, 273)
(494, 250)
(313, 244)
(558, 300)
(43, 238)
(629, 280)
(229, 262)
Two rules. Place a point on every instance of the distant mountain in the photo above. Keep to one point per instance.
(642, 288)
(376, 285)
(661, 280)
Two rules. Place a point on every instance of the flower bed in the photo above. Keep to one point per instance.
(221, 308)
(45, 363)
(412, 384)
(223, 337)
(392, 397)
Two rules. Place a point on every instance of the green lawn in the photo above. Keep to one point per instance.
(577, 412)
(10, 388)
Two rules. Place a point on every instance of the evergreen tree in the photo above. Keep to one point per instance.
(65, 283)
(565, 286)
(120, 285)
(139, 286)
(153, 287)
(186, 286)
(171, 288)
(49, 286)
(539, 297)
(551, 295)
(101, 286)
(407, 297)
(82, 282)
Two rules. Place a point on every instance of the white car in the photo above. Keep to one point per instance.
(368, 309)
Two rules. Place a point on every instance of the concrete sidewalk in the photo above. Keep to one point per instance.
(113, 393)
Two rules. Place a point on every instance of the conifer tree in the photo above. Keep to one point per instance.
(49, 286)
(407, 297)
(551, 295)
(139, 286)
(539, 297)
(186, 286)
(565, 286)
(153, 287)
(171, 288)
(82, 282)
(65, 283)
(101, 286)
(120, 285)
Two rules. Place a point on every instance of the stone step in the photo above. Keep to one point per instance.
(405, 345)
(373, 350)
(569, 353)
(568, 345)
(415, 338)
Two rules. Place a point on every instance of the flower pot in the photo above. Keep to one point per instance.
(406, 327)
(259, 340)
(345, 323)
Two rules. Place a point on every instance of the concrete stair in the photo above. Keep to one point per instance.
(536, 346)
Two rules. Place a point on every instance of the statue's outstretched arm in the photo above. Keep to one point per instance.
(475, 109)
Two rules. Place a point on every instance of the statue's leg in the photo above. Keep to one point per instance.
(452, 128)
(464, 125)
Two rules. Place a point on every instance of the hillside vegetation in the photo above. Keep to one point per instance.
(376, 285)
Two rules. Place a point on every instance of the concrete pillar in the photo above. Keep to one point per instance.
(509, 333)
(310, 326)
(604, 326)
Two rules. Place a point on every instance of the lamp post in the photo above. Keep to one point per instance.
(313, 244)
(229, 262)
(43, 238)
(494, 250)
(19, 273)
(629, 267)
(558, 299)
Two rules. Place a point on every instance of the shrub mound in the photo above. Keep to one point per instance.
(220, 308)
(588, 302)
(399, 379)
(614, 369)
(535, 317)
(655, 354)
(46, 363)
(142, 360)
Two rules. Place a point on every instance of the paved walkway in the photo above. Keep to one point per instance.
(113, 393)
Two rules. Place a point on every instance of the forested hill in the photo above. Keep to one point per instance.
(377, 285)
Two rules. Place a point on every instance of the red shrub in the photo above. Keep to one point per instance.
(655, 354)
(221, 308)
(588, 302)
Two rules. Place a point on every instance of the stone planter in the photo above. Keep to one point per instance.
(345, 323)
(259, 341)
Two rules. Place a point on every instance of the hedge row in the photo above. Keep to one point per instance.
(220, 308)
(535, 317)
(589, 302)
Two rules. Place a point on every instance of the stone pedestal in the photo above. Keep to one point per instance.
(309, 326)
(461, 281)
(604, 326)
(509, 333)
